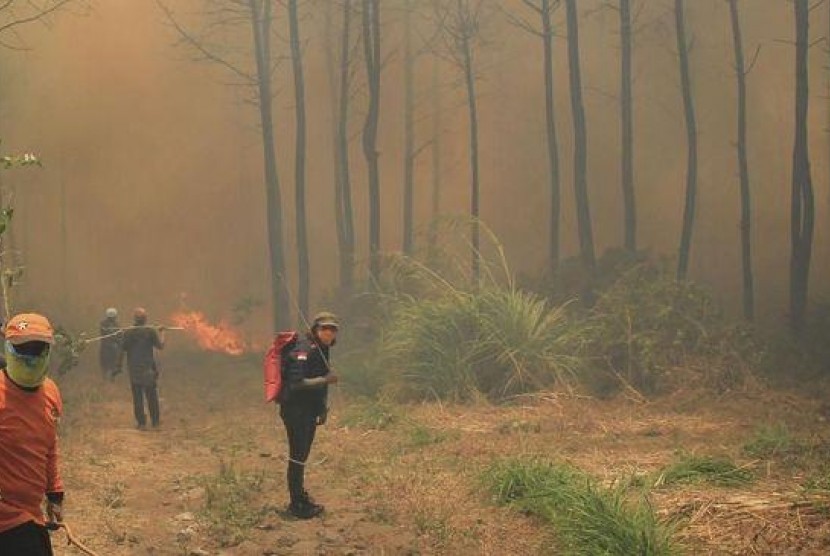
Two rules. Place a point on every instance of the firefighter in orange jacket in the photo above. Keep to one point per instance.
(30, 405)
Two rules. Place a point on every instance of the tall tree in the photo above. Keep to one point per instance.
(340, 83)
(544, 10)
(460, 26)
(743, 165)
(299, 159)
(259, 15)
(802, 202)
(627, 126)
(583, 208)
(436, 145)
(371, 49)
(691, 141)
(409, 130)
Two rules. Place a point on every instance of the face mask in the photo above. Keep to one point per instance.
(28, 371)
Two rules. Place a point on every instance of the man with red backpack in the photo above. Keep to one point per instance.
(303, 399)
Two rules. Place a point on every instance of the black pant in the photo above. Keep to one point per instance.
(300, 427)
(152, 394)
(29, 539)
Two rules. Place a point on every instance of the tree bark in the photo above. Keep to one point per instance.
(691, 142)
(583, 209)
(435, 148)
(627, 127)
(344, 174)
(299, 160)
(554, 184)
(371, 47)
(743, 166)
(472, 105)
(802, 207)
(261, 26)
(409, 133)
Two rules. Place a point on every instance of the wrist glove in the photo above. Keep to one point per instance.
(54, 512)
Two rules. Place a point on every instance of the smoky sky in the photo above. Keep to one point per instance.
(152, 190)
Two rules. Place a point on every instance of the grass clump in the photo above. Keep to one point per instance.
(492, 342)
(228, 505)
(690, 469)
(770, 441)
(587, 518)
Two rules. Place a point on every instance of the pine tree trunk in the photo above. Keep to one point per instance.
(583, 209)
(802, 209)
(371, 46)
(554, 184)
(691, 142)
(261, 27)
(299, 160)
(743, 166)
(627, 126)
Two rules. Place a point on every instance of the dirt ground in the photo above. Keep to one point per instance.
(406, 479)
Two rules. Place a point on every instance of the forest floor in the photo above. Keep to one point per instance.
(406, 479)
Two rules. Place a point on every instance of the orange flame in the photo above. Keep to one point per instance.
(220, 337)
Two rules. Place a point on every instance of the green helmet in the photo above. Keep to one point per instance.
(325, 318)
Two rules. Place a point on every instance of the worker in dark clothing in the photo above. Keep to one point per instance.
(303, 405)
(139, 343)
(110, 344)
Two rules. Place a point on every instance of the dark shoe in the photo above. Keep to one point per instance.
(141, 427)
(304, 510)
(306, 497)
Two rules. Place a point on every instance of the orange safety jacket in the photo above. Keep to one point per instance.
(28, 450)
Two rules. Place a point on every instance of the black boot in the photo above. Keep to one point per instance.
(304, 509)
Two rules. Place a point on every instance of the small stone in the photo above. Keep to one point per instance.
(186, 516)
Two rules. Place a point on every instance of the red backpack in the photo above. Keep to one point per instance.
(272, 365)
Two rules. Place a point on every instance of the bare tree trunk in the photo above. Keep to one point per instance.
(347, 268)
(627, 117)
(328, 42)
(261, 24)
(743, 166)
(435, 197)
(552, 143)
(299, 159)
(469, 79)
(371, 46)
(409, 134)
(691, 139)
(340, 113)
(583, 209)
(803, 211)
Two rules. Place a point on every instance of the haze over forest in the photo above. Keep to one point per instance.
(158, 157)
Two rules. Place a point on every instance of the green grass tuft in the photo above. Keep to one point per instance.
(587, 518)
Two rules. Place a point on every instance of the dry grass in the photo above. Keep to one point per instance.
(409, 483)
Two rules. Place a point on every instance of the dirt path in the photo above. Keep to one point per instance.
(144, 492)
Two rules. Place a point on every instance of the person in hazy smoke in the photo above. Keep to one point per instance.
(304, 404)
(139, 343)
(110, 344)
(30, 406)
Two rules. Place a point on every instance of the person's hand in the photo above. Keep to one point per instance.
(321, 419)
(54, 512)
(332, 378)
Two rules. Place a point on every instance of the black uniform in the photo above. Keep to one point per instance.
(110, 347)
(139, 344)
(301, 407)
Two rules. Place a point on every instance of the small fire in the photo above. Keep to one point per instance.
(220, 337)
